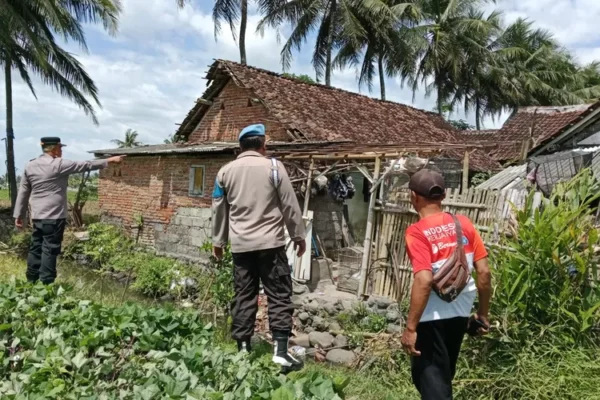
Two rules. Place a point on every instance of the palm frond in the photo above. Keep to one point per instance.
(228, 11)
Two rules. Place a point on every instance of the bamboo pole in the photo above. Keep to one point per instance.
(465, 177)
(364, 269)
(308, 186)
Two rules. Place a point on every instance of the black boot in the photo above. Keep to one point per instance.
(244, 345)
(281, 356)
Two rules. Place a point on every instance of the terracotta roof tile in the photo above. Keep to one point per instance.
(324, 113)
(482, 136)
(546, 122)
(313, 112)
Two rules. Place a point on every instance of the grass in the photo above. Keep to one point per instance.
(86, 283)
(70, 194)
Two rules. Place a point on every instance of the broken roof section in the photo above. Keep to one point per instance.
(317, 112)
(533, 127)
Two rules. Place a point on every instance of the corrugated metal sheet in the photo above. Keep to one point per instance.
(505, 178)
(169, 149)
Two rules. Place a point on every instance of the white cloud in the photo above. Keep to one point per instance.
(573, 21)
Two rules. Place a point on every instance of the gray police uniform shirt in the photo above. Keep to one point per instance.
(250, 209)
(44, 185)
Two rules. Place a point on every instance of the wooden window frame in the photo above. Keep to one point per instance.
(192, 176)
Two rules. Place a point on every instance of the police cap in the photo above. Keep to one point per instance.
(51, 141)
(252, 130)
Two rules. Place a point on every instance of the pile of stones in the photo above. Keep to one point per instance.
(316, 320)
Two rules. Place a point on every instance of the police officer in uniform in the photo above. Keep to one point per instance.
(253, 200)
(44, 186)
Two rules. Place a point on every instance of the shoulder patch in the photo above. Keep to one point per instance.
(218, 191)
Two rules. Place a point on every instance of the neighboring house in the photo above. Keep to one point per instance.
(168, 187)
(546, 144)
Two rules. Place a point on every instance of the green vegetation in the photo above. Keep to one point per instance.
(71, 195)
(54, 346)
(546, 275)
(109, 250)
(543, 344)
(130, 140)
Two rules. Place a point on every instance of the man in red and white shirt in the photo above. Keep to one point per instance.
(435, 328)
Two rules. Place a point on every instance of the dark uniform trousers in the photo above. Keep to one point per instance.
(439, 343)
(46, 242)
(271, 267)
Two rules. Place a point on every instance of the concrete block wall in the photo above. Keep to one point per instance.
(189, 229)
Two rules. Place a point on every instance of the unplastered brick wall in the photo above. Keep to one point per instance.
(231, 111)
(155, 190)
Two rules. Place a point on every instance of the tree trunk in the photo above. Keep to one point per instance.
(330, 43)
(381, 77)
(10, 151)
(243, 25)
(477, 115)
(440, 97)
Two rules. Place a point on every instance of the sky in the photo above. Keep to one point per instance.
(152, 71)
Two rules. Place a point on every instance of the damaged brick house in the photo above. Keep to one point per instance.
(544, 145)
(162, 193)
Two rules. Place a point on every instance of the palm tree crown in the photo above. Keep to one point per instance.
(129, 141)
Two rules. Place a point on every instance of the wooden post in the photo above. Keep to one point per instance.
(465, 177)
(308, 186)
(364, 267)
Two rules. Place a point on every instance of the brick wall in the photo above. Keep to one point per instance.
(230, 112)
(156, 189)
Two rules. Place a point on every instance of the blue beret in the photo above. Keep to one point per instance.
(252, 130)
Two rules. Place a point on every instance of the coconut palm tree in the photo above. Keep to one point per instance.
(130, 140)
(383, 39)
(521, 66)
(446, 26)
(331, 20)
(232, 11)
(27, 45)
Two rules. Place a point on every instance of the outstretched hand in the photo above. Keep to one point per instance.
(115, 159)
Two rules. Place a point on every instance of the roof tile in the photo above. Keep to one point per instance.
(545, 122)
(326, 113)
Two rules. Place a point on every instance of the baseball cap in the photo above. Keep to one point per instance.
(428, 183)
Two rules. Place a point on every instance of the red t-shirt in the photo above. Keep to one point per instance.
(432, 240)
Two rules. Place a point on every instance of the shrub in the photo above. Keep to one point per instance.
(221, 278)
(153, 274)
(105, 244)
(544, 272)
(109, 249)
(20, 241)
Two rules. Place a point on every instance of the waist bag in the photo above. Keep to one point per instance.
(452, 277)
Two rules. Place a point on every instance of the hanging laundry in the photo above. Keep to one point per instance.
(337, 188)
(366, 189)
(347, 180)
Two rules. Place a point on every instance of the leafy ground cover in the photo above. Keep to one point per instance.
(55, 346)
